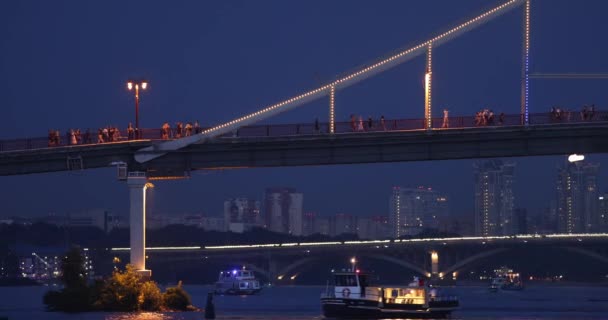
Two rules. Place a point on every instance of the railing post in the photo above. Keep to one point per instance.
(427, 88)
(268, 130)
(332, 118)
(297, 128)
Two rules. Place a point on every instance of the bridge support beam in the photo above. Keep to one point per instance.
(428, 117)
(332, 115)
(525, 68)
(138, 183)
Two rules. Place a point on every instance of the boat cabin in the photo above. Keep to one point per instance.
(236, 275)
(352, 285)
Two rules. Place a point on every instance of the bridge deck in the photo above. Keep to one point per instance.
(323, 149)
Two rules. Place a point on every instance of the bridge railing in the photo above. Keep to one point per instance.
(278, 130)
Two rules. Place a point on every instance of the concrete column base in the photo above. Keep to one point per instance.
(145, 274)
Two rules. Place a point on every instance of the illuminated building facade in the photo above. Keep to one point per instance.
(494, 200)
(578, 198)
(241, 214)
(412, 209)
(283, 210)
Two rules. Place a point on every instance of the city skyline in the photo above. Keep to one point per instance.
(282, 209)
(461, 199)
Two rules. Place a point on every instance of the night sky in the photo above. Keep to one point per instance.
(64, 64)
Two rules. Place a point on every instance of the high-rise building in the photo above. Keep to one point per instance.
(308, 223)
(241, 214)
(283, 210)
(323, 225)
(373, 228)
(577, 197)
(412, 209)
(494, 199)
(343, 223)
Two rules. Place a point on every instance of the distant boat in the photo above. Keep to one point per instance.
(505, 279)
(237, 282)
(352, 297)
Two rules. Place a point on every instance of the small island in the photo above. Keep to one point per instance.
(124, 291)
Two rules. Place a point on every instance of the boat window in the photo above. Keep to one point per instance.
(346, 281)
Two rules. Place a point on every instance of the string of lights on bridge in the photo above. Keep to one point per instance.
(377, 242)
(342, 82)
(152, 152)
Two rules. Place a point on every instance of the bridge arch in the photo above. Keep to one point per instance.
(588, 253)
(296, 264)
(472, 259)
(305, 261)
(585, 252)
(399, 262)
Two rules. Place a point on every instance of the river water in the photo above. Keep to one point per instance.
(302, 302)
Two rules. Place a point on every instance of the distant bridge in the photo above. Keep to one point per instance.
(279, 261)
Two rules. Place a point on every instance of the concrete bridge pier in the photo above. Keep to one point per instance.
(138, 183)
(435, 265)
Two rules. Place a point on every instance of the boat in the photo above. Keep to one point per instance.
(505, 279)
(237, 282)
(352, 297)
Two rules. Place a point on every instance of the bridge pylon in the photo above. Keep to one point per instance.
(138, 184)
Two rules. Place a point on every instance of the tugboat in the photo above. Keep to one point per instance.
(237, 282)
(352, 297)
(506, 279)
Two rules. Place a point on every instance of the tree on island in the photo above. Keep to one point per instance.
(76, 294)
(123, 291)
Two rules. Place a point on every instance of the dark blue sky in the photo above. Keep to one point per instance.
(63, 64)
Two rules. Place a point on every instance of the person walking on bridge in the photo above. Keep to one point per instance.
(360, 126)
(446, 120)
(130, 131)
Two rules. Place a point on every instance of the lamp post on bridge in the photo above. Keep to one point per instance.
(137, 84)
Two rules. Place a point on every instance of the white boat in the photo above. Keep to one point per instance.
(237, 282)
(352, 297)
(505, 279)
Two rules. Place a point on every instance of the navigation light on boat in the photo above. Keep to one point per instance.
(358, 270)
(233, 271)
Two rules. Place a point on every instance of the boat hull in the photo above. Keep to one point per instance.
(369, 309)
(238, 292)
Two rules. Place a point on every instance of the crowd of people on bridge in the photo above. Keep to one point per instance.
(180, 131)
(113, 134)
(368, 125)
(72, 137)
(108, 134)
(486, 117)
(560, 114)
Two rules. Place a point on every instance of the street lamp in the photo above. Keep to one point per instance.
(353, 261)
(137, 84)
